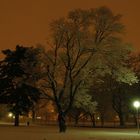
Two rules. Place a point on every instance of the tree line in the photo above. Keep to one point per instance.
(86, 59)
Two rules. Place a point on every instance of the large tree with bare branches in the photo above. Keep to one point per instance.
(85, 44)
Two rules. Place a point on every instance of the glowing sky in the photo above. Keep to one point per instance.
(25, 22)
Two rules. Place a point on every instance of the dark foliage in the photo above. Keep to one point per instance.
(15, 91)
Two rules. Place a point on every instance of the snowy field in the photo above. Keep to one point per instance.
(51, 133)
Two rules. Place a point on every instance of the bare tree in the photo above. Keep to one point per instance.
(78, 41)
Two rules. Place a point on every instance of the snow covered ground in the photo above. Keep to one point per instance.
(8, 132)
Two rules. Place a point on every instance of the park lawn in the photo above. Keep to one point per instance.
(51, 133)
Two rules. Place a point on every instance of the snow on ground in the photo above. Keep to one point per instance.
(8, 132)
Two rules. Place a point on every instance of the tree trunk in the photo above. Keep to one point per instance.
(33, 115)
(102, 121)
(122, 121)
(92, 116)
(135, 119)
(16, 119)
(62, 122)
(76, 119)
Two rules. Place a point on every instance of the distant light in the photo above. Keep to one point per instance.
(98, 118)
(136, 104)
(10, 115)
(38, 117)
(52, 110)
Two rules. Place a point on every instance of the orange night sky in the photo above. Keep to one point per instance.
(25, 22)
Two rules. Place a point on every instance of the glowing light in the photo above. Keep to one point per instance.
(10, 115)
(38, 117)
(98, 118)
(136, 104)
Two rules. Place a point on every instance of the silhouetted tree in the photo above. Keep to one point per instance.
(18, 80)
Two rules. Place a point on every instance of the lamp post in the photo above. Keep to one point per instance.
(137, 105)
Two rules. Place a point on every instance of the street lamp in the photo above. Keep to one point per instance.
(137, 105)
(10, 115)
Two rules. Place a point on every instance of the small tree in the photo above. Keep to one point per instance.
(85, 102)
